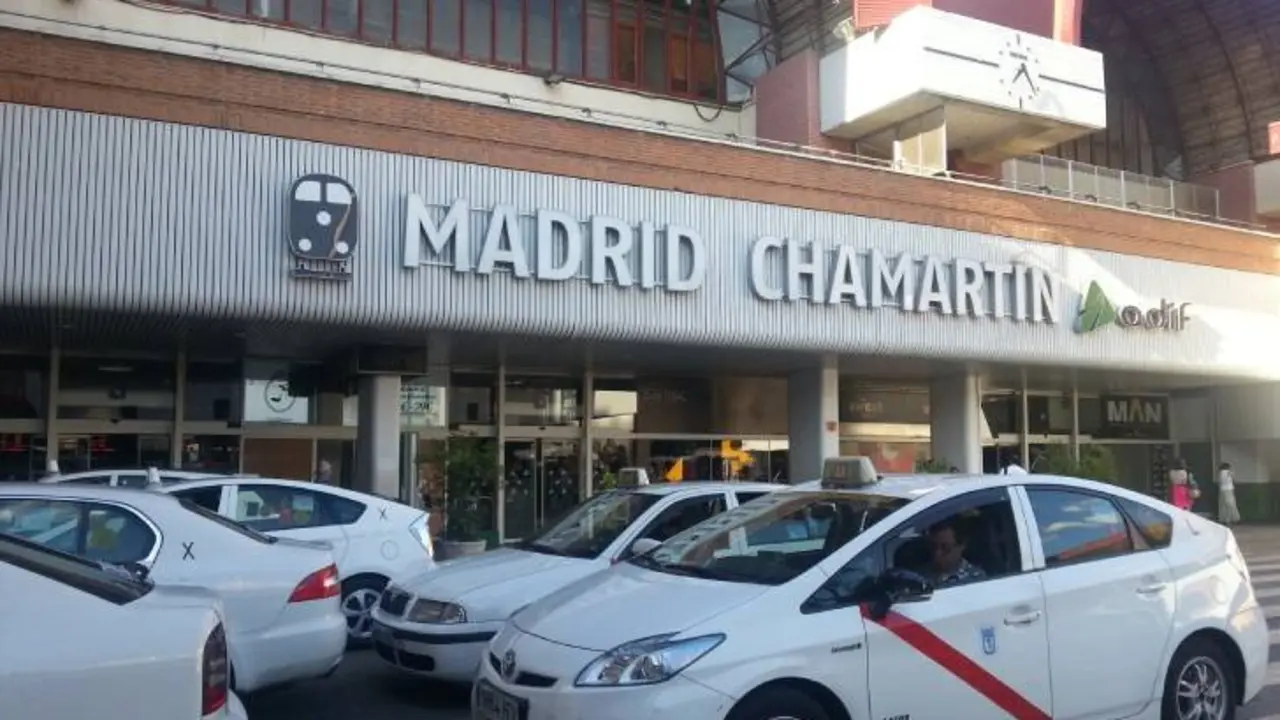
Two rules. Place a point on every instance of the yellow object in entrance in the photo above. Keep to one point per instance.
(733, 461)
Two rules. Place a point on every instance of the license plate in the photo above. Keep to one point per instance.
(493, 704)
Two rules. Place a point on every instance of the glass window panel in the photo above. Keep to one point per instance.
(411, 24)
(379, 20)
(116, 389)
(446, 26)
(479, 28)
(599, 43)
(24, 387)
(306, 13)
(343, 16)
(510, 23)
(22, 457)
(211, 392)
(540, 34)
(571, 17)
(211, 453)
(539, 401)
(472, 399)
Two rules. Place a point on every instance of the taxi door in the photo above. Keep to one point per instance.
(973, 650)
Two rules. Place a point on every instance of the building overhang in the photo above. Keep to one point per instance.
(1006, 92)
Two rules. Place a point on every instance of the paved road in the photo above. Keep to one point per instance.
(363, 688)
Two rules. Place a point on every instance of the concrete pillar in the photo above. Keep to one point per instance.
(378, 436)
(813, 419)
(955, 421)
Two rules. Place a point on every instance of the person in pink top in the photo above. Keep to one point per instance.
(1182, 490)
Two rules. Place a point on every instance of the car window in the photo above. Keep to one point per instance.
(1155, 526)
(746, 497)
(1077, 527)
(89, 480)
(774, 539)
(340, 510)
(72, 571)
(273, 507)
(131, 480)
(209, 498)
(682, 515)
(593, 526)
(54, 524)
(116, 535)
(226, 522)
(964, 540)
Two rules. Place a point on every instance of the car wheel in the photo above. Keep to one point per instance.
(359, 596)
(1200, 685)
(779, 703)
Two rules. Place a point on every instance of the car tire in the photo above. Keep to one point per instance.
(359, 595)
(1202, 664)
(772, 703)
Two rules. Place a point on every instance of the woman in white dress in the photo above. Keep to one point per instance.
(1228, 512)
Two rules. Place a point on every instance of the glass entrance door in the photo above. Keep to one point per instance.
(541, 483)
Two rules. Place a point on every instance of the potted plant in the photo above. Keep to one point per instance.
(469, 465)
(1096, 463)
(932, 466)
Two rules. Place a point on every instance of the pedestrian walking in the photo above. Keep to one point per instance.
(1182, 491)
(1228, 512)
(324, 473)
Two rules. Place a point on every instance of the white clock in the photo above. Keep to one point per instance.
(1019, 70)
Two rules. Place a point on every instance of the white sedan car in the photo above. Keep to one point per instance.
(981, 597)
(281, 596)
(123, 646)
(437, 624)
(373, 538)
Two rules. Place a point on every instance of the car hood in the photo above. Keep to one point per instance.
(495, 584)
(625, 603)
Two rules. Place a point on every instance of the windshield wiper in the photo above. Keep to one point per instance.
(543, 548)
(697, 571)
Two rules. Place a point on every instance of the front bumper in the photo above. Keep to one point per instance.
(678, 698)
(450, 653)
(1255, 647)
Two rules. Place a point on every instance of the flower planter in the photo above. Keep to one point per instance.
(452, 549)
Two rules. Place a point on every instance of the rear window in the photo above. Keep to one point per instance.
(342, 511)
(227, 523)
(110, 584)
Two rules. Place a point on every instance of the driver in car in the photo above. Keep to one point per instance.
(949, 564)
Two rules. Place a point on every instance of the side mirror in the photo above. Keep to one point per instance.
(644, 545)
(897, 586)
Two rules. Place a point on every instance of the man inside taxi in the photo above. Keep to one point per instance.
(949, 564)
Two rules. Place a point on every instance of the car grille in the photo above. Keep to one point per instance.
(393, 601)
(527, 679)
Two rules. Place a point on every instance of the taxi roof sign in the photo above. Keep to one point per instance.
(854, 471)
(633, 476)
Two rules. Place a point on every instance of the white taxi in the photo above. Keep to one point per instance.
(436, 624)
(1031, 597)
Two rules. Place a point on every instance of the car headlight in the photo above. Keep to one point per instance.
(436, 612)
(646, 661)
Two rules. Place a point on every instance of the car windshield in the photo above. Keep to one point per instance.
(591, 528)
(226, 522)
(771, 539)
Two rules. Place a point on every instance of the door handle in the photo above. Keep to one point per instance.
(1151, 589)
(1022, 618)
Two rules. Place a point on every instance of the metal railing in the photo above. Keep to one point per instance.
(1120, 189)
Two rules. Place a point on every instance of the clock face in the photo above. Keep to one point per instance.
(1019, 71)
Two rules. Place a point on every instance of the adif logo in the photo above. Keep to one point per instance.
(324, 223)
(1097, 311)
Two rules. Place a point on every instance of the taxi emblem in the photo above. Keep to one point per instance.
(509, 664)
(989, 640)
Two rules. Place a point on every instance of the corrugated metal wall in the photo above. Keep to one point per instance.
(117, 214)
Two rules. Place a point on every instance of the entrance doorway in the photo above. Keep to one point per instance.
(542, 483)
(77, 453)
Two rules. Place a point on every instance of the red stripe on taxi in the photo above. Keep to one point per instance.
(959, 665)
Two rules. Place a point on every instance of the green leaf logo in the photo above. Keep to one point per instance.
(1096, 310)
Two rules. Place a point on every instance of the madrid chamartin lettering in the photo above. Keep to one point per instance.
(604, 250)
(795, 271)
